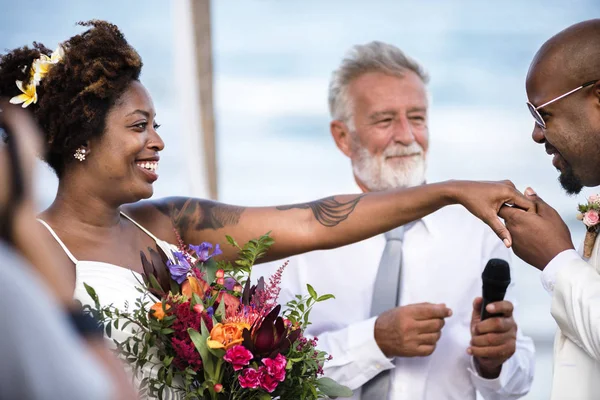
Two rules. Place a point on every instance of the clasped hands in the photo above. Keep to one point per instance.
(414, 330)
(539, 234)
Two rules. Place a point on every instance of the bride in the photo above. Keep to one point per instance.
(101, 140)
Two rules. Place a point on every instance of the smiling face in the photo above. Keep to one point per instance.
(572, 134)
(124, 160)
(388, 147)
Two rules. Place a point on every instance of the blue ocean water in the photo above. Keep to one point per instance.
(272, 62)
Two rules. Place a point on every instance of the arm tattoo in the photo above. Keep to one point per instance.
(200, 214)
(329, 212)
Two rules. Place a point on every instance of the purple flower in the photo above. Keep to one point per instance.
(230, 283)
(202, 251)
(210, 311)
(180, 268)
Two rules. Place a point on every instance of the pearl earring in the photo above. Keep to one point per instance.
(80, 154)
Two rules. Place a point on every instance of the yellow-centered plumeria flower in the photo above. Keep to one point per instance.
(28, 96)
(42, 65)
(39, 70)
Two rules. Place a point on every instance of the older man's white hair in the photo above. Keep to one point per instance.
(361, 59)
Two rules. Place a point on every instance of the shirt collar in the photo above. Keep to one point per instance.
(429, 221)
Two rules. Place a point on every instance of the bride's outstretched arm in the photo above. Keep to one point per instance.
(337, 220)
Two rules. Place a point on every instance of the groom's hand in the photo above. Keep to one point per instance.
(537, 236)
(494, 340)
(412, 330)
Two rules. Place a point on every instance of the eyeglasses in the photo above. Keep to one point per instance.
(536, 114)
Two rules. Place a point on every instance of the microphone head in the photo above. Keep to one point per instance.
(496, 270)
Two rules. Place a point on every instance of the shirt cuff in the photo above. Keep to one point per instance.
(493, 385)
(561, 260)
(362, 341)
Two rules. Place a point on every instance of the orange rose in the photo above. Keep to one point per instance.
(157, 310)
(194, 285)
(224, 336)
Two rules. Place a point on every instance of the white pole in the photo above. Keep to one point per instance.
(194, 78)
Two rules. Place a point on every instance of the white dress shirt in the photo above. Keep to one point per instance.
(444, 255)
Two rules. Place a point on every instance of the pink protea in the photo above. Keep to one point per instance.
(238, 356)
(249, 378)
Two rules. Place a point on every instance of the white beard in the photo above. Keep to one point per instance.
(377, 175)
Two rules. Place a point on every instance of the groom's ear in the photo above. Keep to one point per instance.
(341, 136)
(596, 91)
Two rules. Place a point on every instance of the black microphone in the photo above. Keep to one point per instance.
(496, 278)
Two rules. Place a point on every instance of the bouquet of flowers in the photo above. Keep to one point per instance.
(589, 214)
(208, 333)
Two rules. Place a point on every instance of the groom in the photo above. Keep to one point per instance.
(563, 87)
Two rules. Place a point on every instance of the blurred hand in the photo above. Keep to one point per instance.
(485, 199)
(412, 330)
(539, 235)
(494, 340)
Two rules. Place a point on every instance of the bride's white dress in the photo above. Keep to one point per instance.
(113, 284)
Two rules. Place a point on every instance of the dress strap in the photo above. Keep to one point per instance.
(60, 242)
(167, 248)
(146, 231)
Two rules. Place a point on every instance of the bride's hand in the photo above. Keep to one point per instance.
(484, 200)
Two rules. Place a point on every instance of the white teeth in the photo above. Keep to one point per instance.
(149, 165)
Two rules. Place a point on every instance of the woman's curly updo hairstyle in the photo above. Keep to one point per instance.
(77, 93)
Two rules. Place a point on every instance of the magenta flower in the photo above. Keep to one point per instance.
(238, 356)
(202, 251)
(276, 367)
(267, 382)
(249, 378)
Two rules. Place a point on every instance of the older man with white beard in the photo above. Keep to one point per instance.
(428, 341)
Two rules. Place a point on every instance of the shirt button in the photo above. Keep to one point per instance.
(378, 366)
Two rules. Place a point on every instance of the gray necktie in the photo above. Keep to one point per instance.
(386, 295)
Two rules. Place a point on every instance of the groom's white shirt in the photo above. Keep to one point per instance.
(574, 284)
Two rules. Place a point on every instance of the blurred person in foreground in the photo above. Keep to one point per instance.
(49, 349)
(430, 343)
(563, 88)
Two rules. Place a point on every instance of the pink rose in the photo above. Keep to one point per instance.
(591, 218)
(268, 382)
(238, 356)
(594, 199)
(276, 367)
(249, 378)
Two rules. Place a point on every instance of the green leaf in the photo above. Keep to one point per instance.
(174, 287)
(325, 297)
(210, 269)
(196, 300)
(220, 310)
(154, 283)
(92, 293)
(331, 388)
(167, 331)
(199, 341)
(231, 241)
(311, 291)
(263, 396)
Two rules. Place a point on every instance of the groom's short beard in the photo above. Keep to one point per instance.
(569, 181)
